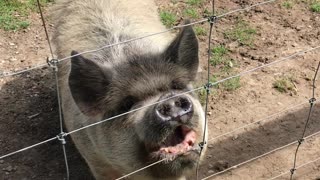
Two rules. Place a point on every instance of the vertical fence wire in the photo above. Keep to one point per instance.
(54, 64)
(300, 141)
(202, 145)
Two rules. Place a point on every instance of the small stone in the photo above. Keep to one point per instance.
(299, 28)
(13, 59)
(258, 9)
(230, 64)
(209, 113)
(235, 137)
(221, 165)
(211, 166)
(1, 161)
(8, 169)
(11, 44)
(210, 146)
(210, 172)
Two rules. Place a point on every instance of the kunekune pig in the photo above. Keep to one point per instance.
(114, 80)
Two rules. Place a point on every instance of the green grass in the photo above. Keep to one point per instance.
(202, 95)
(284, 84)
(13, 13)
(226, 66)
(287, 4)
(174, 1)
(232, 84)
(242, 33)
(200, 31)
(315, 7)
(194, 2)
(167, 18)
(218, 55)
(191, 13)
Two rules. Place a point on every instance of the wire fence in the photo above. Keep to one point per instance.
(260, 156)
(212, 21)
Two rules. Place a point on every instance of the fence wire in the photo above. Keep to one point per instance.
(203, 144)
(258, 157)
(207, 86)
(300, 141)
(54, 64)
(141, 37)
(258, 121)
(298, 167)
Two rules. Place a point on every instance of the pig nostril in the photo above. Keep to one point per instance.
(164, 109)
(178, 103)
(185, 104)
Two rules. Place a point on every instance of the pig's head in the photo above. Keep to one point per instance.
(171, 129)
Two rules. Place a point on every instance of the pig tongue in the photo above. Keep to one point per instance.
(182, 147)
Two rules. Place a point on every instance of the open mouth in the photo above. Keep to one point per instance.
(180, 143)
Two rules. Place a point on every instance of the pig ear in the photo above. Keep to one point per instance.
(88, 82)
(184, 50)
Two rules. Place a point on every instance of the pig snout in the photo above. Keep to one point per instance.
(175, 109)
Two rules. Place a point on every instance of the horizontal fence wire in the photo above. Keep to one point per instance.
(134, 39)
(23, 71)
(134, 110)
(193, 90)
(29, 147)
(136, 171)
(258, 157)
(298, 167)
(259, 121)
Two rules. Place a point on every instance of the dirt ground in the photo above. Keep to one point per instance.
(29, 114)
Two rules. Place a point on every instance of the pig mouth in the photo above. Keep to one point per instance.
(181, 142)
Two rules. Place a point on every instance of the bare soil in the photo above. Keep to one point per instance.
(29, 113)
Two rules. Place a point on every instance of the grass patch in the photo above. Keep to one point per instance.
(315, 7)
(13, 13)
(284, 84)
(221, 60)
(287, 4)
(167, 18)
(232, 84)
(194, 2)
(202, 95)
(200, 31)
(174, 1)
(218, 55)
(191, 13)
(242, 33)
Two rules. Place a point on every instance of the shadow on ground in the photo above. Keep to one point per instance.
(29, 114)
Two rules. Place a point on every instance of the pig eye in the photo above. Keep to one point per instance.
(177, 85)
(128, 102)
